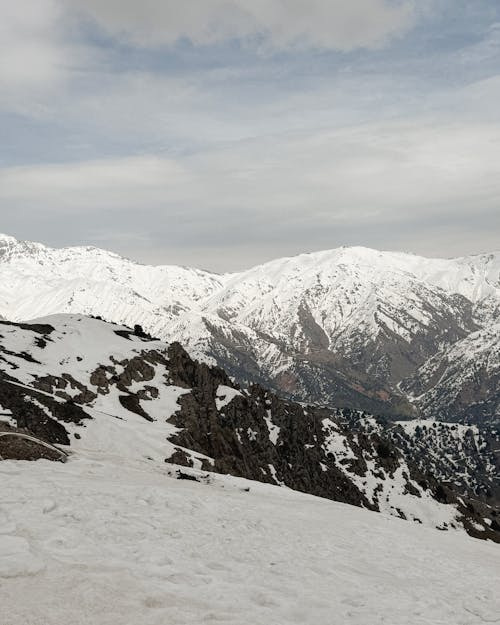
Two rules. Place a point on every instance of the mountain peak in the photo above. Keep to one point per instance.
(5, 238)
(344, 326)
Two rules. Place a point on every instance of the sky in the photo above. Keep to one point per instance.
(224, 133)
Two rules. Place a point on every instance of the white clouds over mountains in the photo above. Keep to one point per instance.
(276, 191)
(272, 126)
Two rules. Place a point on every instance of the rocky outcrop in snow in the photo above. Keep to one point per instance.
(89, 385)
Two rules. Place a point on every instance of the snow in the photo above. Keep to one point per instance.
(225, 395)
(352, 294)
(459, 430)
(348, 300)
(78, 345)
(392, 497)
(457, 365)
(386, 489)
(274, 430)
(112, 542)
(17, 559)
(110, 537)
(274, 475)
(252, 434)
(6, 416)
(336, 443)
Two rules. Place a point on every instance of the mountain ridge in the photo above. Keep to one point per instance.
(94, 388)
(347, 327)
(7, 238)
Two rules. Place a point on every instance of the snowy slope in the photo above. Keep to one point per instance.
(83, 362)
(109, 543)
(37, 281)
(345, 326)
(462, 379)
(465, 456)
(101, 389)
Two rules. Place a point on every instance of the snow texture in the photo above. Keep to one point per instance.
(116, 542)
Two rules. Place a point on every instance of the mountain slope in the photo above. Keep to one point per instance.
(107, 390)
(107, 541)
(38, 281)
(350, 324)
(346, 327)
(462, 380)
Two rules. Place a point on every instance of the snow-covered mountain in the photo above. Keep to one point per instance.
(106, 390)
(386, 332)
(469, 378)
(37, 281)
(177, 499)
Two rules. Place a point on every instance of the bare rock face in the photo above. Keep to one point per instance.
(259, 436)
(31, 411)
(59, 385)
(237, 435)
(16, 444)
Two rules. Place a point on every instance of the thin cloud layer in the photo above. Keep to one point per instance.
(353, 174)
(280, 24)
(222, 133)
(378, 176)
(31, 53)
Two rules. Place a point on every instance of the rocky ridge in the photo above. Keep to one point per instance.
(82, 383)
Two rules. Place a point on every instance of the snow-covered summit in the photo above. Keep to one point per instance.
(343, 326)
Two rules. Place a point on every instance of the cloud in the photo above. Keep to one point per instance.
(391, 184)
(90, 187)
(176, 152)
(365, 172)
(280, 24)
(31, 53)
(41, 51)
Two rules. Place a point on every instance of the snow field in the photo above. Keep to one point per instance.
(117, 542)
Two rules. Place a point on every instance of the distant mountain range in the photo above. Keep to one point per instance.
(389, 333)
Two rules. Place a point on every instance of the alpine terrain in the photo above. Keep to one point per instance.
(110, 541)
(313, 440)
(89, 385)
(384, 332)
(164, 492)
(167, 490)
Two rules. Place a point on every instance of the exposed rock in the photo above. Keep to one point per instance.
(16, 444)
(211, 423)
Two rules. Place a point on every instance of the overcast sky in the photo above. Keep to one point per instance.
(222, 133)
